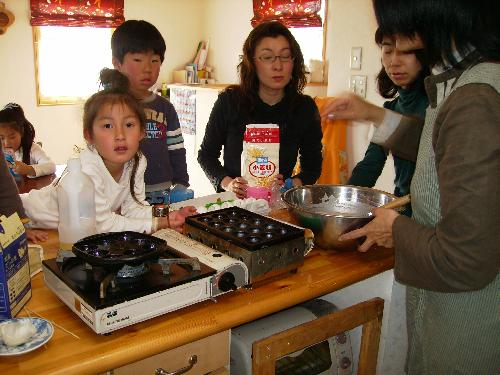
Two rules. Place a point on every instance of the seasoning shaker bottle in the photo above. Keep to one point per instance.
(76, 199)
(164, 89)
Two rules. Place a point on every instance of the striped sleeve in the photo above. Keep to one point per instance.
(175, 140)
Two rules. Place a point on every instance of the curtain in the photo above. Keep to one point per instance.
(292, 13)
(96, 13)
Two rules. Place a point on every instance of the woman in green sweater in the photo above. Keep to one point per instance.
(402, 79)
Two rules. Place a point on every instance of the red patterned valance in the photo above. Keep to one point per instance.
(292, 13)
(96, 13)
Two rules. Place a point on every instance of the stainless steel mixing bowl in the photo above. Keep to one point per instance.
(331, 210)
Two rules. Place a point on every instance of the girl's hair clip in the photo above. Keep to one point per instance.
(106, 86)
(11, 106)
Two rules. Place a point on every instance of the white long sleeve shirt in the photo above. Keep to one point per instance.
(116, 210)
(39, 160)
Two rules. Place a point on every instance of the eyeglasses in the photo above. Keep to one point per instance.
(268, 59)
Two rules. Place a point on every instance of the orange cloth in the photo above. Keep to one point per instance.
(334, 168)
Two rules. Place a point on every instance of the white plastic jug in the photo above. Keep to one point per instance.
(76, 199)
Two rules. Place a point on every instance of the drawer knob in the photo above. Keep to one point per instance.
(192, 361)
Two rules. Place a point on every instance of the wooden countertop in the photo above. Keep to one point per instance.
(323, 272)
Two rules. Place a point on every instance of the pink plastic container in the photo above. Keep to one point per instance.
(259, 193)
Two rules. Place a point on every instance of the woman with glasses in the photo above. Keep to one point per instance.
(272, 77)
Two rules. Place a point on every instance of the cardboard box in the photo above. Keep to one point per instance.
(15, 281)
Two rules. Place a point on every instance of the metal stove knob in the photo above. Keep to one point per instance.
(227, 282)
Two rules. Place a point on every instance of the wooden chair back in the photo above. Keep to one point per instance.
(369, 313)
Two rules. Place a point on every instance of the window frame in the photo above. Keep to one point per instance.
(51, 100)
(324, 48)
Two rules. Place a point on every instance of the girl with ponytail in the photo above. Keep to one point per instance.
(17, 135)
(113, 126)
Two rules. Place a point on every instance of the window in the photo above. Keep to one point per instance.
(312, 42)
(68, 61)
(306, 20)
(72, 44)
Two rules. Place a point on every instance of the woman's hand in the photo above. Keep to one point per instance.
(35, 235)
(297, 182)
(378, 231)
(349, 106)
(237, 185)
(23, 169)
(278, 182)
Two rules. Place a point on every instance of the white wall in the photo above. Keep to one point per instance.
(226, 35)
(352, 23)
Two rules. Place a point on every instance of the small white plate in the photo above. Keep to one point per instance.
(44, 331)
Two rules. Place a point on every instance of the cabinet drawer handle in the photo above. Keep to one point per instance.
(192, 361)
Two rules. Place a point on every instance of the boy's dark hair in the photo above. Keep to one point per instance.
(12, 116)
(385, 86)
(135, 36)
(444, 25)
(248, 87)
(116, 91)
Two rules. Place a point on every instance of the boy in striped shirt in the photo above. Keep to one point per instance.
(138, 51)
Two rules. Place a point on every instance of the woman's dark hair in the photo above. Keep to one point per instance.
(136, 36)
(444, 25)
(116, 91)
(385, 86)
(248, 87)
(12, 116)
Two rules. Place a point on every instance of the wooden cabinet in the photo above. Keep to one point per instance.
(212, 354)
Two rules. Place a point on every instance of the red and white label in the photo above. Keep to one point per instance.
(260, 168)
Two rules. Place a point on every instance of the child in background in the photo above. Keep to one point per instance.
(17, 135)
(113, 126)
(10, 201)
(138, 52)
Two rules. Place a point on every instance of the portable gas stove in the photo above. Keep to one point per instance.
(113, 280)
(268, 247)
